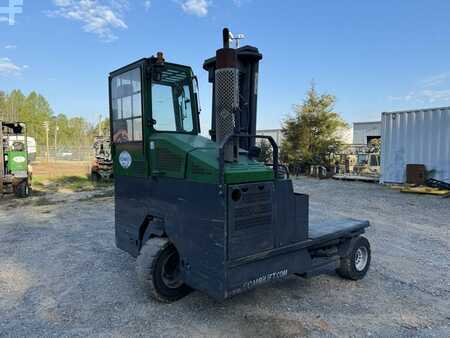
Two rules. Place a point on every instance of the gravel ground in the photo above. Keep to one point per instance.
(61, 275)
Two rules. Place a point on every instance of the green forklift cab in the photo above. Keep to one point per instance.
(15, 173)
(155, 116)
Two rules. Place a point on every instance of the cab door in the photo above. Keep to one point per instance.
(126, 105)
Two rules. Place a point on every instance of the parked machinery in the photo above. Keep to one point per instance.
(15, 170)
(203, 213)
(361, 160)
(102, 168)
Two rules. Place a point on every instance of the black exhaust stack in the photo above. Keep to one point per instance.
(246, 61)
(226, 96)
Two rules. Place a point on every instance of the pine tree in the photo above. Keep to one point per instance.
(266, 152)
(311, 134)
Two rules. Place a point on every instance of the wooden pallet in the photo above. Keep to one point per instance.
(356, 178)
(426, 190)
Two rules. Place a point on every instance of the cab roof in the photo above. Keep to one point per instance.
(150, 61)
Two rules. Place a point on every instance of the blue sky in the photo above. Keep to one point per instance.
(373, 55)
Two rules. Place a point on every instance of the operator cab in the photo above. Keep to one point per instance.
(171, 92)
(149, 97)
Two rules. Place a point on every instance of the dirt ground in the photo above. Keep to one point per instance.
(60, 168)
(61, 274)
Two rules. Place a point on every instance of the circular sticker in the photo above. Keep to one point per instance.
(19, 159)
(125, 159)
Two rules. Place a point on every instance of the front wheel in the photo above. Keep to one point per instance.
(158, 270)
(355, 265)
(96, 177)
(23, 189)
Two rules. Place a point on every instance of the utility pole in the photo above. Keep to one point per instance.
(79, 147)
(100, 125)
(56, 136)
(11, 116)
(46, 127)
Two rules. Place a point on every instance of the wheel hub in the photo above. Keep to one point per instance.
(171, 274)
(361, 257)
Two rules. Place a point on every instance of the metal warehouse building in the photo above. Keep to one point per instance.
(415, 137)
(344, 134)
(364, 132)
(276, 134)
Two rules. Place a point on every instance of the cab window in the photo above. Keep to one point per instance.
(172, 102)
(126, 105)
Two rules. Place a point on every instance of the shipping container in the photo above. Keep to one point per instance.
(415, 137)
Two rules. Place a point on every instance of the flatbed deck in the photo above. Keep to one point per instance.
(319, 234)
(332, 229)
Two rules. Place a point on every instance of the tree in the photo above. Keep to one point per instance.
(102, 128)
(265, 154)
(3, 99)
(34, 110)
(310, 136)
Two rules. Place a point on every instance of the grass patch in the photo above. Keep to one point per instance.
(73, 183)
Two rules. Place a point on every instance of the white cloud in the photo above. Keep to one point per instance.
(10, 47)
(196, 7)
(96, 16)
(430, 90)
(436, 80)
(239, 3)
(9, 68)
(147, 4)
(425, 95)
(436, 95)
(406, 97)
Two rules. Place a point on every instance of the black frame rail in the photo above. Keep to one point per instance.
(227, 139)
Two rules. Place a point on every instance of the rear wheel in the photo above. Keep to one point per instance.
(355, 265)
(158, 270)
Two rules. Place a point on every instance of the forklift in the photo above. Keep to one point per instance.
(201, 213)
(102, 167)
(15, 171)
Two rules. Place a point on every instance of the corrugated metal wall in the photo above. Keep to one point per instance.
(361, 130)
(415, 137)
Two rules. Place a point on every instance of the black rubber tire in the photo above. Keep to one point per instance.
(149, 268)
(347, 266)
(96, 177)
(22, 190)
